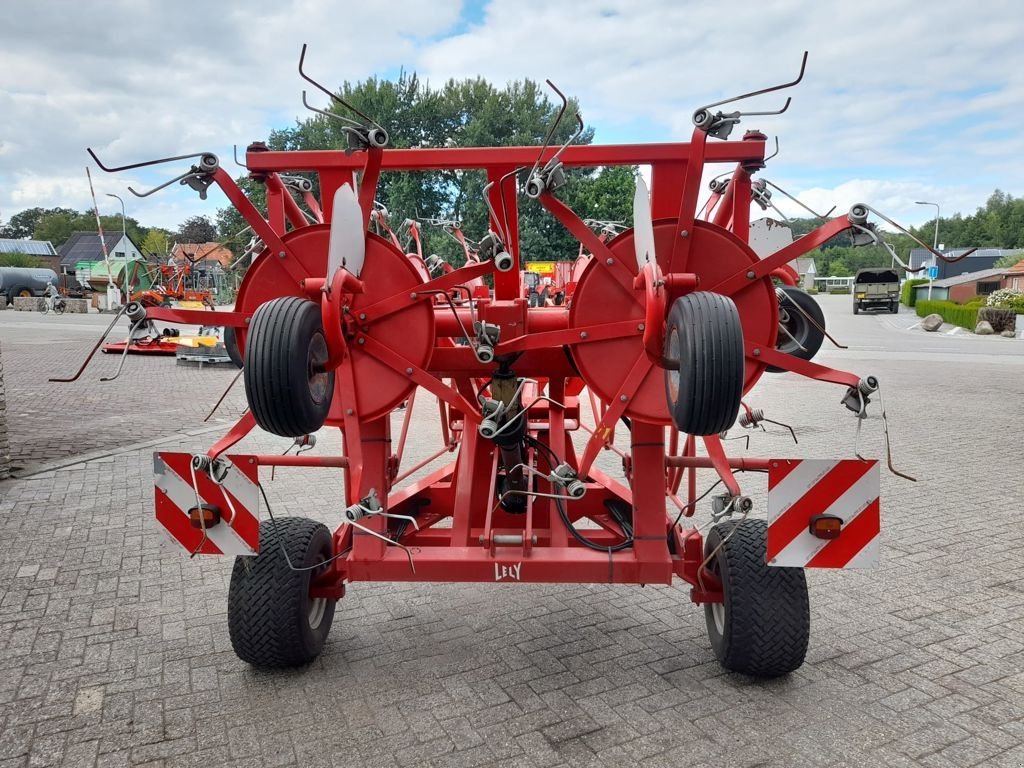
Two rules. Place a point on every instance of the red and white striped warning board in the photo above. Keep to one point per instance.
(800, 489)
(179, 489)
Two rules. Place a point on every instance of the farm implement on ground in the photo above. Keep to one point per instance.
(672, 322)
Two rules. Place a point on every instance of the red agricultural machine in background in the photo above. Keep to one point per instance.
(671, 324)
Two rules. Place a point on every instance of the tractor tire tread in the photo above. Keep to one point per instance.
(274, 388)
(769, 622)
(712, 369)
(266, 597)
(807, 334)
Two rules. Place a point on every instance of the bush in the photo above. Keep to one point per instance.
(20, 260)
(907, 294)
(957, 314)
(974, 301)
(840, 290)
(1007, 298)
(1000, 319)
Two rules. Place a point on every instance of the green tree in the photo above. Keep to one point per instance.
(999, 224)
(23, 225)
(196, 229)
(59, 224)
(157, 241)
(468, 113)
(1009, 260)
(19, 260)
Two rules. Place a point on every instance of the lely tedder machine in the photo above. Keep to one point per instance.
(672, 322)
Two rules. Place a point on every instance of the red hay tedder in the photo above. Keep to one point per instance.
(671, 324)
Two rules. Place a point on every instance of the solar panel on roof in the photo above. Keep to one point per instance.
(32, 247)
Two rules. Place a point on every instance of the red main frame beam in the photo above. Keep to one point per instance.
(490, 157)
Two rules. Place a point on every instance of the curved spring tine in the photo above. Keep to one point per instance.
(802, 205)
(911, 235)
(186, 175)
(243, 165)
(786, 426)
(552, 129)
(789, 100)
(334, 96)
(223, 396)
(141, 165)
(325, 113)
(494, 215)
(95, 347)
(501, 194)
(771, 89)
(554, 158)
(773, 154)
(124, 353)
(812, 321)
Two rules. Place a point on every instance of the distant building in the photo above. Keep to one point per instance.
(807, 270)
(983, 258)
(198, 252)
(964, 287)
(82, 260)
(40, 249)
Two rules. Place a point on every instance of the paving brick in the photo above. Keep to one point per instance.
(114, 647)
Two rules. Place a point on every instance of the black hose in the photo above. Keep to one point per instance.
(627, 532)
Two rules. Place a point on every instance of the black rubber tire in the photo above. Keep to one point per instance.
(809, 336)
(17, 291)
(764, 625)
(285, 343)
(270, 613)
(704, 378)
(856, 308)
(231, 346)
(894, 308)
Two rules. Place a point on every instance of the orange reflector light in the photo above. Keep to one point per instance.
(210, 516)
(826, 526)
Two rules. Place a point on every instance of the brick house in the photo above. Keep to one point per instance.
(962, 288)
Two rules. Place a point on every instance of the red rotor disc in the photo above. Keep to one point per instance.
(386, 271)
(599, 298)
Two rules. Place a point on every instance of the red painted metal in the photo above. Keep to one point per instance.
(392, 331)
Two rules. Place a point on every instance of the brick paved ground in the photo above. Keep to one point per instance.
(114, 649)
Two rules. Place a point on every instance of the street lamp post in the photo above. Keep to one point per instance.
(935, 240)
(124, 237)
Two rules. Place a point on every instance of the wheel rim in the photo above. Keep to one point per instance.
(673, 373)
(317, 608)
(319, 380)
(317, 605)
(718, 615)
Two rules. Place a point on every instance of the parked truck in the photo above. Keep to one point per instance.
(25, 281)
(876, 289)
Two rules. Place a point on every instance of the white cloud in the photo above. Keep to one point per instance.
(899, 102)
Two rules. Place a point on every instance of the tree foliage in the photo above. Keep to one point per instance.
(23, 225)
(999, 224)
(466, 113)
(20, 260)
(196, 229)
(157, 242)
(1009, 260)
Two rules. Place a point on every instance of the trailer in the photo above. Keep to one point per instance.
(673, 322)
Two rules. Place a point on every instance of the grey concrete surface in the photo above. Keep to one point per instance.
(114, 647)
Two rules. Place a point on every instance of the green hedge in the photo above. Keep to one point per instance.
(908, 294)
(957, 314)
(840, 290)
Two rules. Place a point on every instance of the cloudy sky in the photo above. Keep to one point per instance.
(902, 101)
